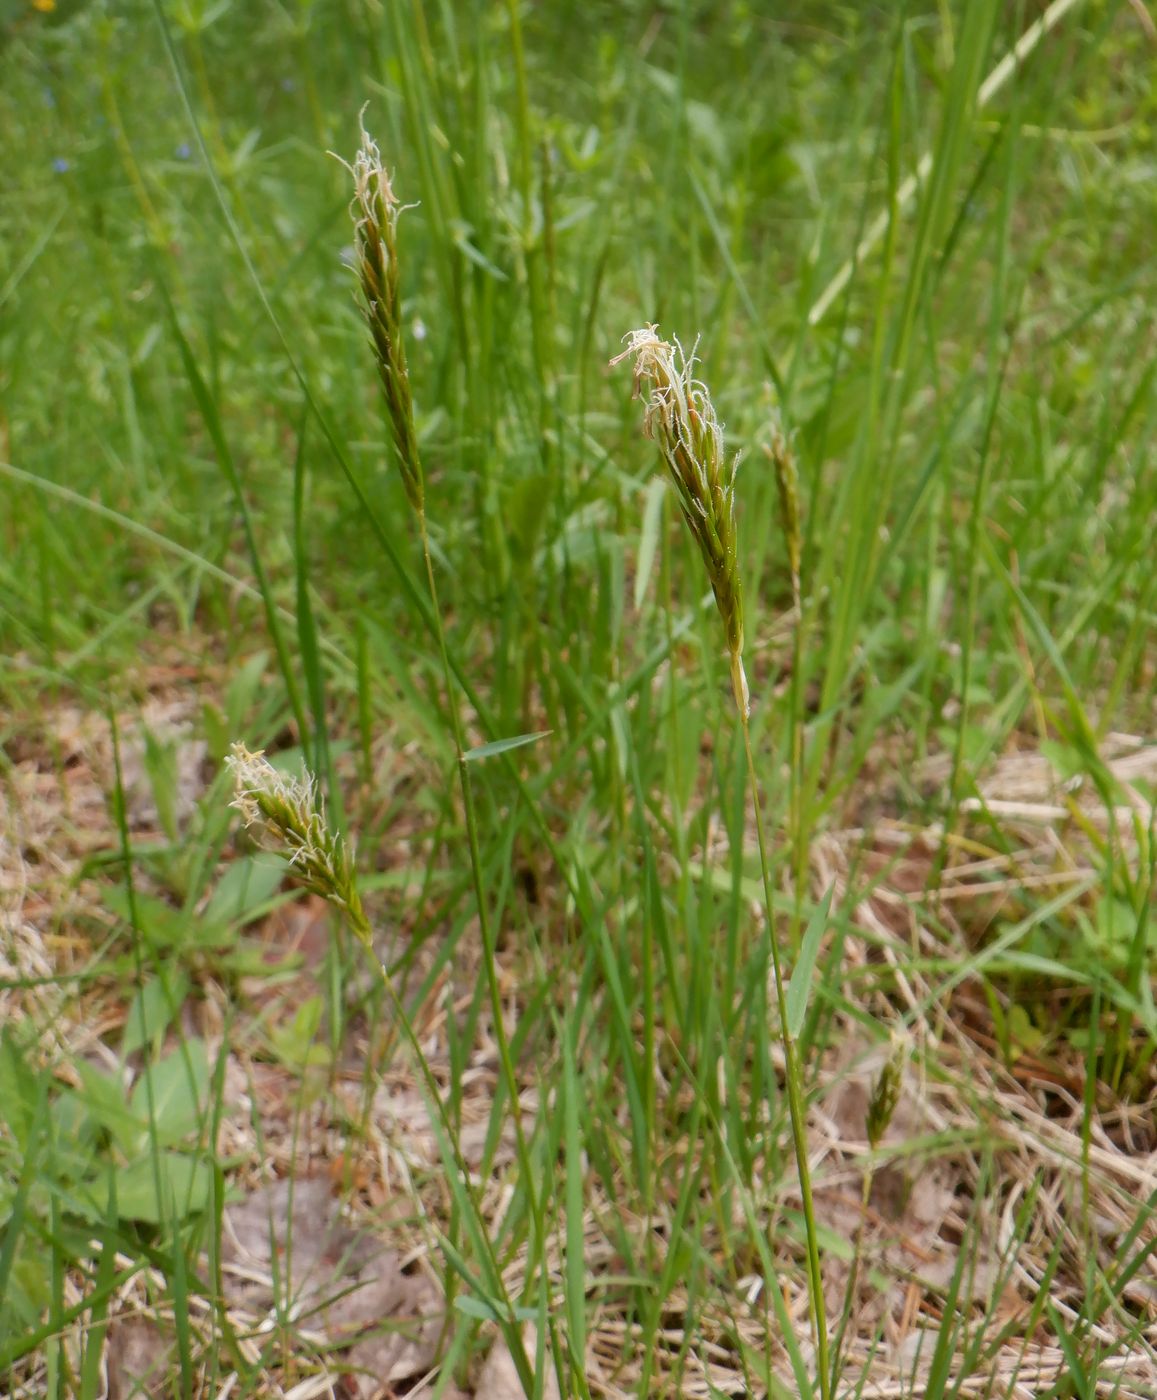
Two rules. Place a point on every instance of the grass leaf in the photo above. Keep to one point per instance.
(801, 974)
(497, 746)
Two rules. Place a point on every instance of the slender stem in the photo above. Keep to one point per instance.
(799, 845)
(361, 927)
(853, 1278)
(794, 1097)
(488, 945)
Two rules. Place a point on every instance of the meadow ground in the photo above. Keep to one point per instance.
(513, 1117)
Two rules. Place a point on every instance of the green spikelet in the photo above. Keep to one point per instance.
(289, 818)
(886, 1092)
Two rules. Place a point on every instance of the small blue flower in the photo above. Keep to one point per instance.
(60, 165)
(49, 97)
(184, 151)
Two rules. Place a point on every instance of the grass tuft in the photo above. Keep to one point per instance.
(515, 1088)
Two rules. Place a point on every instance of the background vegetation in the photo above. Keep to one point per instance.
(204, 538)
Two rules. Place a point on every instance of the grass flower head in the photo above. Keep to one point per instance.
(680, 417)
(289, 817)
(886, 1091)
(375, 210)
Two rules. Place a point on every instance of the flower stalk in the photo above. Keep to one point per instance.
(679, 415)
(375, 210)
(287, 815)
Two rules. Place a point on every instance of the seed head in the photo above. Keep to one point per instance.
(886, 1092)
(289, 817)
(375, 211)
(680, 417)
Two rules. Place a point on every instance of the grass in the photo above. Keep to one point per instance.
(556, 1092)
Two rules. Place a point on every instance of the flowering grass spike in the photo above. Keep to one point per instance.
(680, 417)
(290, 818)
(375, 211)
(886, 1091)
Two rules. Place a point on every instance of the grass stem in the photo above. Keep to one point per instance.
(794, 1091)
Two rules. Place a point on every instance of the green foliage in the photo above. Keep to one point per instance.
(90, 1154)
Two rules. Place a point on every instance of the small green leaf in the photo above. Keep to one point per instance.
(161, 765)
(167, 1098)
(18, 1089)
(158, 922)
(185, 1183)
(485, 1311)
(162, 926)
(296, 1044)
(801, 975)
(153, 1008)
(1022, 1034)
(1065, 761)
(103, 1099)
(1115, 924)
(73, 1138)
(504, 745)
(28, 1292)
(478, 1308)
(246, 886)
